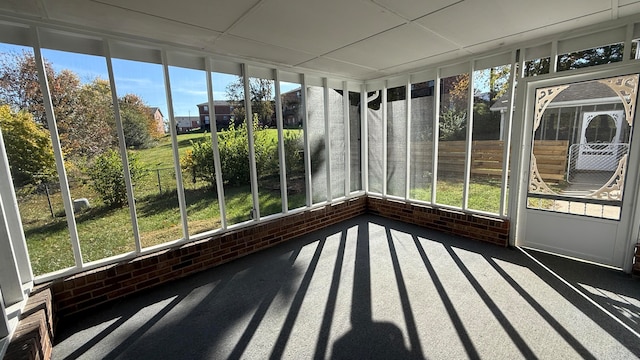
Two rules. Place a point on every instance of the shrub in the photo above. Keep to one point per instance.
(28, 147)
(108, 177)
(234, 155)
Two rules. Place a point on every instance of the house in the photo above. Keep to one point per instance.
(187, 123)
(158, 120)
(392, 230)
(223, 112)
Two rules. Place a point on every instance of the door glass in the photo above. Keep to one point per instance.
(579, 166)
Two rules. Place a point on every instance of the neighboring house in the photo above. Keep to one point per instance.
(570, 113)
(291, 108)
(187, 123)
(158, 119)
(223, 112)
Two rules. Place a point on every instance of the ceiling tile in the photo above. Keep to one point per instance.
(473, 22)
(29, 7)
(315, 26)
(413, 9)
(398, 46)
(340, 68)
(214, 15)
(233, 45)
(114, 19)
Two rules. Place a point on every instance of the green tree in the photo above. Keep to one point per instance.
(262, 99)
(136, 122)
(28, 147)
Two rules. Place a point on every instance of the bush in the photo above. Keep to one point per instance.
(234, 155)
(28, 147)
(108, 177)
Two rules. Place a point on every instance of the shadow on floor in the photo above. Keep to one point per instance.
(365, 288)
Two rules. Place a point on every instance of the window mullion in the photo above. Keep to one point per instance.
(513, 79)
(281, 154)
(57, 151)
(252, 152)
(383, 106)
(213, 128)
(174, 143)
(364, 135)
(305, 133)
(123, 149)
(407, 190)
(347, 138)
(327, 140)
(469, 139)
(436, 136)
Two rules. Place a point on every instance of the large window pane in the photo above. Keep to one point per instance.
(337, 138)
(487, 149)
(292, 118)
(355, 120)
(189, 95)
(451, 147)
(86, 126)
(375, 141)
(233, 143)
(317, 143)
(397, 141)
(421, 157)
(266, 145)
(25, 131)
(141, 86)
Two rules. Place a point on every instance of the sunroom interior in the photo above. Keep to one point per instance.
(505, 122)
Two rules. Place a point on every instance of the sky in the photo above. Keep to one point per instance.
(188, 87)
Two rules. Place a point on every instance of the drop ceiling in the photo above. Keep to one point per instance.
(356, 39)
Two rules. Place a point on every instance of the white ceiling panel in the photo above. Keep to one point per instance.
(356, 39)
(413, 9)
(401, 45)
(215, 15)
(29, 7)
(114, 19)
(476, 21)
(315, 26)
(236, 46)
(340, 68)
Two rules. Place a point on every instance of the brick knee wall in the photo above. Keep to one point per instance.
(473, 226)
(91, 288)
(33, 337)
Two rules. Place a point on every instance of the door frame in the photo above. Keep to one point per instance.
(629, 223)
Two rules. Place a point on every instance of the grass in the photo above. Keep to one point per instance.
(105, 232)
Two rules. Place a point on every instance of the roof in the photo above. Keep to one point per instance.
(588, 92)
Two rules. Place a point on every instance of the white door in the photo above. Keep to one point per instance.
(593, 222)
(599, 139)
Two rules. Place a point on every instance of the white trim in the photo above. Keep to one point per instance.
(213, 129)
(407, 182)
(385, 161)
(252, 151)
(174, 147)
(468, 140)
(57, 151)
(281, 155)
(122, 146)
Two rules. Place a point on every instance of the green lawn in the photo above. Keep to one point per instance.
(105, 232)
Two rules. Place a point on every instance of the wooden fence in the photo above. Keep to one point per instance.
(487, 156)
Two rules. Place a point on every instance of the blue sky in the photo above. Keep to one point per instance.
(188, 87)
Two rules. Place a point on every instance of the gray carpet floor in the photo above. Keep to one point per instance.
(371, 288)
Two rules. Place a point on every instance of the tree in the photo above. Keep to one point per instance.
(19, 86)
(28, 147)
(261, 97)
(90, 130)
(137, 121)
